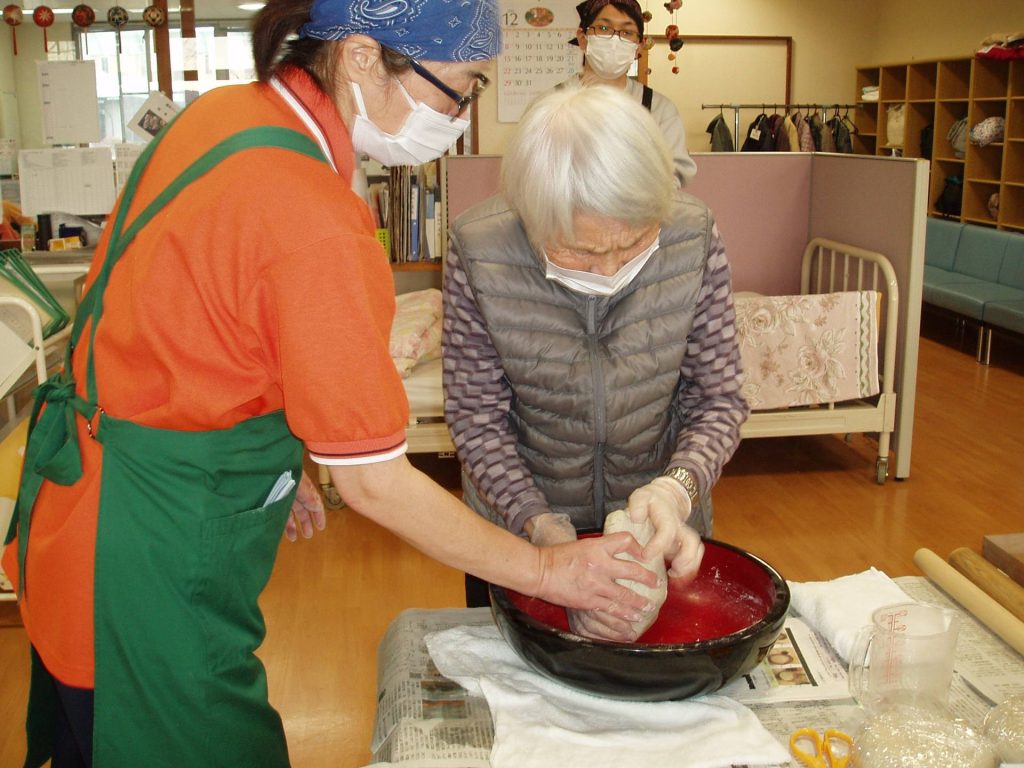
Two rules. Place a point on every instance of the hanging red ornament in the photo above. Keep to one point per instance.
(647, 16)
(43, 17)
(675, 42)
(83, 15)
(13, 16)
(154, 16)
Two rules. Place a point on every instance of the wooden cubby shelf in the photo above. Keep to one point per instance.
(938, 94)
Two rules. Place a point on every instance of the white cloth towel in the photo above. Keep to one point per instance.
(838, 609)
(539, 723)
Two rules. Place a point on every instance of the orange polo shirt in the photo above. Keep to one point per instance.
(260, 287)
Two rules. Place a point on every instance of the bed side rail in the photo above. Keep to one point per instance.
(830, 266)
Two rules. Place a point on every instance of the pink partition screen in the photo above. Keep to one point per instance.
(761, 205)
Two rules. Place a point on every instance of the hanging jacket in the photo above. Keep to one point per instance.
(780, 134)
(792, 137)
(841, 135)
(759, 135)
(721, 136)
(803, 129)
(817, 129)
(828, 142)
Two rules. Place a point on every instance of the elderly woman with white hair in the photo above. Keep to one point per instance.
(590, 355)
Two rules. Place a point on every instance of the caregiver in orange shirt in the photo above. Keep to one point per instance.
(162, 462)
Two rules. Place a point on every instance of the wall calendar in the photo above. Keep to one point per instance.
(536, 54)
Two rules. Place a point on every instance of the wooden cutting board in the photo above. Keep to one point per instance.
(1006, 552)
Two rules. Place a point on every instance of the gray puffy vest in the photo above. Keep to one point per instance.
(594, 379)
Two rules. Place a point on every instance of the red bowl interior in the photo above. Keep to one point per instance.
(731, 592)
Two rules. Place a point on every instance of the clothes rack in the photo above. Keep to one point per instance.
(763, 106)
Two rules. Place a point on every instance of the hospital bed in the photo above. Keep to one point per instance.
(829, 267)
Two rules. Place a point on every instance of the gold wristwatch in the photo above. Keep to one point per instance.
(685, 478)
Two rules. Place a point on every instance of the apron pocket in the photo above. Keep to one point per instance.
(237, 556)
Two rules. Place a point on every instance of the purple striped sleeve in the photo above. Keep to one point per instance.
(477, 399)
(712, 377)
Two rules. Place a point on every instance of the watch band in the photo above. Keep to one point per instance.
(685, 478)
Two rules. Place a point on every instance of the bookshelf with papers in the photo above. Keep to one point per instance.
(406, 205)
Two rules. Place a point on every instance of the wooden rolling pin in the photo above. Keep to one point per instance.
(990, 579)
(972, 599)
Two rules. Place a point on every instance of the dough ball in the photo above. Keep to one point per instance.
(643, 532)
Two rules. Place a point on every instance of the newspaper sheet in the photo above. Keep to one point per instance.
(423, 719)
(426, 721)
(800, 667)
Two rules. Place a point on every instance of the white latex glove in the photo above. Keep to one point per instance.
(667, 505)
(551, 528)
(307, 511)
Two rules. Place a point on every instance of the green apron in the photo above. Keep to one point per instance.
(185, 544)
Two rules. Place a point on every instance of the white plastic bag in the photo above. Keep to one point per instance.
(894, 125)
(958, 137)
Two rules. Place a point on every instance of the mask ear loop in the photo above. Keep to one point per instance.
(408, 97)
(358, 93)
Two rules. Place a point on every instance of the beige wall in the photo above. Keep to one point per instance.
(830, 39)
(936, 29)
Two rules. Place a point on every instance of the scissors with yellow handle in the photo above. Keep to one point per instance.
(810, 748)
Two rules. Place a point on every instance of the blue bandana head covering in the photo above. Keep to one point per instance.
(434, 30)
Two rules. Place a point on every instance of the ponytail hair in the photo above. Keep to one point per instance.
(276, 44)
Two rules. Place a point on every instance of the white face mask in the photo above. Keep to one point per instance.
(610, 57)
(599, 285)
(424, 136)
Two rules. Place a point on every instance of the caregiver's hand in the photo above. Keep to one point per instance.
(667, 505)
(307, 511)
(582, 574)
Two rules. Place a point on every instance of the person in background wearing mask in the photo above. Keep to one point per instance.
(161, 471)
(610, 34)
(589, 348)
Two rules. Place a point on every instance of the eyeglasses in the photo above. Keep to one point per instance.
(604, 31)
(461, 100)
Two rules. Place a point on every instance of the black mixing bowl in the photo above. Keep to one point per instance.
(708, 633)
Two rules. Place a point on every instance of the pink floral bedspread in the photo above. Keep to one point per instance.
(416, 332)
(801, 350)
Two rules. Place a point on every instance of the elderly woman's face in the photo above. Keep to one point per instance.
(601, 245)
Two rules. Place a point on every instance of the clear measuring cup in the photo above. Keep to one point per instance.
(905, 656)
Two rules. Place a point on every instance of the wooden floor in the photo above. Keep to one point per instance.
(810, 506)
